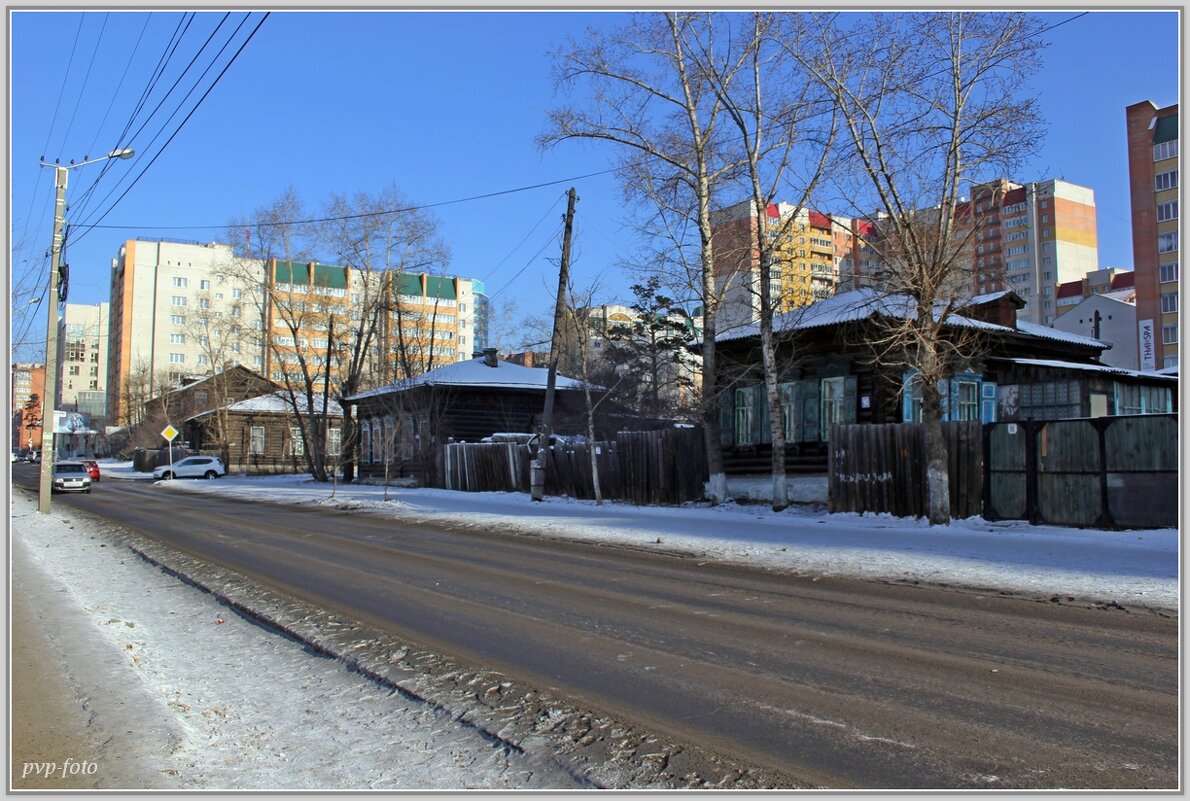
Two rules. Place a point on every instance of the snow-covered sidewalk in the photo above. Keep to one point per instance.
(1139, 568)
(219, 702)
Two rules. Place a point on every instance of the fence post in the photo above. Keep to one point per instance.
(1032, 429)
(1105, 519)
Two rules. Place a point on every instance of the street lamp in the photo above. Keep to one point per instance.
(50, 398)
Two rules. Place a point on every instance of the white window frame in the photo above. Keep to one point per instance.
(1165, 180)
(256, 440)
(1168, 272)
(1169, 302)
(297, 445)
(1169, 334)
(1167, 211)
(1167, 242)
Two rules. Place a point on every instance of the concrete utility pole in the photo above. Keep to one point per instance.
(50, 396)
(547, 415)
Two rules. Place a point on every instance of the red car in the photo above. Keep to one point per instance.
(92, 468)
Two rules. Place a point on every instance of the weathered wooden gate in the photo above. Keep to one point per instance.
(1106, 472)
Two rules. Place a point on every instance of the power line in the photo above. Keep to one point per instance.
(87, 229)
(361, 215)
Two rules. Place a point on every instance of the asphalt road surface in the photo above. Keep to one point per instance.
(841, 683)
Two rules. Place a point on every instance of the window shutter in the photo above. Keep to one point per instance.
(945, 387)
(808, 390)
(987, 402)
(907, 396)
(726, 415)
(761, 431)
(849, 399)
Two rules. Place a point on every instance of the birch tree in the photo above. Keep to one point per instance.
(932, 104)
(649, 99)
(785, 129)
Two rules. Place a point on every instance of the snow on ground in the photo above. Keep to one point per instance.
(250, 709)
(1128, 567)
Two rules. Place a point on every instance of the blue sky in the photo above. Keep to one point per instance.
(446, 106)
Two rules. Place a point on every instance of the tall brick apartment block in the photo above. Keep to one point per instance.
(1153, 181)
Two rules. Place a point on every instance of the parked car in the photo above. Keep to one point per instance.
(192, 467)
(70, 477)
(31, 456)
(92, 468)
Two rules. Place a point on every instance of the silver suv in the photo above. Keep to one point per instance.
(71, 477)
(192, 467)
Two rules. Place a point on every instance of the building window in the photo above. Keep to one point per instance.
(204, 284)
(333, 438)
(1169, 302)
(235, 293)
(204, 303)
(177, 358)
(1165, 180)
(202, 358)
(1169, 361)
(179, 281)
(1169, 334)
(1167, 211)
(178, 300)
(832, 404)
(297, 446)
(1169, 272)
(1165, 150)
(256, 440)
(968, 406)
(177, 319)
(1167, 243)
(177, 339)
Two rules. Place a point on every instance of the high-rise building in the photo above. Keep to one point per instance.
(83, 359)
(809, 249)
(1030, 238)
(177, 309)
(28, 404)
(1153, 184)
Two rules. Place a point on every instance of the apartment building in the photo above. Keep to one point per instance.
(177, 308)
(1031, 238)
(83, 359)
(809, 251)
(28, 383)
(1153, 184)
(424, 321)
(1113, 282)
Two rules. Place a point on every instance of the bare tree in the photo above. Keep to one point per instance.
(650, 99)
(786, 129)
(382, 238)
(932, 103)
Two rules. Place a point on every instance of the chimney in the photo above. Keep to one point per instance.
(489, 357)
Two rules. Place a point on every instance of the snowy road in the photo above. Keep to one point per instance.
(825, 677)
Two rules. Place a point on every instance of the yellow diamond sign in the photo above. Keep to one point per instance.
(169, 432)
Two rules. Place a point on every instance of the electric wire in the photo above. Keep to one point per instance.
(181, 103)
(525, 239)
(86, 79)
(88, 228)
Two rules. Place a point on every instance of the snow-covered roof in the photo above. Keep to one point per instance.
(1095, 368)
(475, 373)
(275, 403)
(863, 303)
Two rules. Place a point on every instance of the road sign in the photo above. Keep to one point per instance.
(169, 432)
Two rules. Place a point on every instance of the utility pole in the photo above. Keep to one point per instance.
(50, 395)
(547, 415)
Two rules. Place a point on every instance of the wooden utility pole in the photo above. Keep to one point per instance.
(547, 414)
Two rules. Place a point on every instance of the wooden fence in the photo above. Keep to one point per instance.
(881, 468)
(646, 467)
(1106, 472)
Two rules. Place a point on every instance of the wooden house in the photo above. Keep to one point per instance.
(403, 423)
(831, 374)
(263, 434)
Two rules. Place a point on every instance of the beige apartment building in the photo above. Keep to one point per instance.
(177, 309)
(83, 332)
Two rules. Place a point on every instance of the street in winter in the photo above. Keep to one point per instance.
(578, 399)
(224, 685)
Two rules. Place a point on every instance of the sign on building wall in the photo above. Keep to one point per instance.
(1148, 346)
